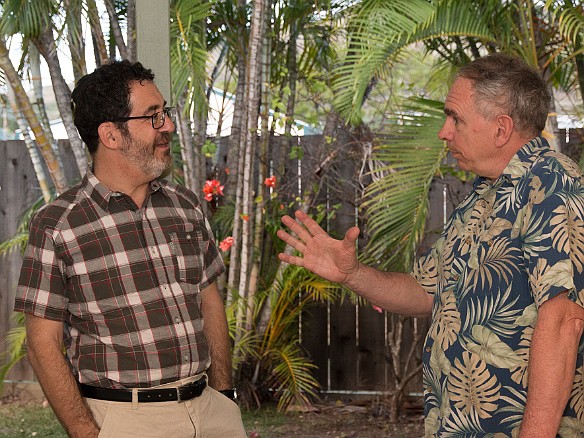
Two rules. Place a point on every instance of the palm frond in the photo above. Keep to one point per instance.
(188, 52)
(16, 350)
(292, 377)
(382, 30)
(396, 209)
(20, 239)
(570, 19)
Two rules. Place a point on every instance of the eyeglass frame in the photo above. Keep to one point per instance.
(169, 111)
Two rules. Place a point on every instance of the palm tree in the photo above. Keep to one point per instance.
(188, 60)
(23, 104)
(34, 21)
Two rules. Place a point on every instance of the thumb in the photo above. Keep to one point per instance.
(351, 237)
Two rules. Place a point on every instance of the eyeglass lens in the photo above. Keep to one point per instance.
(159, 118)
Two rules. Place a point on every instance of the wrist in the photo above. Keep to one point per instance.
(230, 393)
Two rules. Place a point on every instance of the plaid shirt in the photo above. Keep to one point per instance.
(126, 282)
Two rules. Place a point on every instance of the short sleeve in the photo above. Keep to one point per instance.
(214, 265)
(425, 271)
(41, 287)
(553, 235)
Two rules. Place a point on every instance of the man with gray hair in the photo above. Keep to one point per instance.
(504, 284)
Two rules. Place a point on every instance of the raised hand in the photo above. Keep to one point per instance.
(332, 259)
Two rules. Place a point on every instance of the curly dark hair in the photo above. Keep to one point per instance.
(104, 95)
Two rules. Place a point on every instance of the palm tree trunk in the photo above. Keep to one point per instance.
(131, 31)
(187, 145)
(97, 32)
(75, 38)
(37, 83)
(116, 30)
(30, 145)
(258, 235)
(236, 152)
(252, 100)
(46, 45)
(25, 108)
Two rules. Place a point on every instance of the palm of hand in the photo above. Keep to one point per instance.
(330, 258)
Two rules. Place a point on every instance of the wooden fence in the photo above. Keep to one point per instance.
(348, 342)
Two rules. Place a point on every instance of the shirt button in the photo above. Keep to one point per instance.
(490, 242)
(428, 349)
(176, 319)
(468, 240)
(186, 357)
(188, 236)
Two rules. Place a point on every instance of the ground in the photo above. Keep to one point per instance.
(366, 419)
(341, 420)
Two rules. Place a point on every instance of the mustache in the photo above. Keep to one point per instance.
(164, 137)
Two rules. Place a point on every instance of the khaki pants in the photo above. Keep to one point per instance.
(209, 415)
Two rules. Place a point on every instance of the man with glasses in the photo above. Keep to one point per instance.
(120, 273)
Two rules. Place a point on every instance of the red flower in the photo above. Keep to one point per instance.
(226, 244)
(271, 181)
(378, 309)
(245, 217)
(212, 187)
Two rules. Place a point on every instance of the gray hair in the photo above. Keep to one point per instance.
(505, 84)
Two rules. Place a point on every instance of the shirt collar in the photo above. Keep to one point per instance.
(519, 165)
(524, 159)
(101, 195)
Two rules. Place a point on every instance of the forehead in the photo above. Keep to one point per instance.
(145, 97)
(459, 99)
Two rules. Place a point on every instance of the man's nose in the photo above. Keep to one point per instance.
(169, 125)
(445, 131)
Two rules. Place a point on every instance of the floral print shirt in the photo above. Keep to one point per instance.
(512, 244)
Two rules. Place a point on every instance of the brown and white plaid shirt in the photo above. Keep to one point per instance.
(126, 282)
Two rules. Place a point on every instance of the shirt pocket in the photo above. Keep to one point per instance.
(188, 248)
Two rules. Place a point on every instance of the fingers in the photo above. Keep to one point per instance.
(302, 233)
(293, 260)
(351, 237)
(309, 223)
(293, 242)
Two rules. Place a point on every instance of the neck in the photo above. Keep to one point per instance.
(119, 176)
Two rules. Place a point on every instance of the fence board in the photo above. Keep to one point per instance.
(18, 189)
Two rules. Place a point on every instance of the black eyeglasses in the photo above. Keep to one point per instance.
(157, 118)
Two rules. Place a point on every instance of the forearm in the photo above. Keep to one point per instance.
(552, 363)
(217, 334)
(396, 292)
(59, 385)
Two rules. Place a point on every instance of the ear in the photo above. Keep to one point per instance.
(504, 126)
(109, 135)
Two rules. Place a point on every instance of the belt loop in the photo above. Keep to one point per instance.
(134, 398)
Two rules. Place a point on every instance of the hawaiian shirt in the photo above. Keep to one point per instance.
(126, 282)
(512, 244)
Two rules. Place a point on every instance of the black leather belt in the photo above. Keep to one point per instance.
(181, 393)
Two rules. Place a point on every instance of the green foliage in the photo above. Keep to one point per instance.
(396, 209)
(379, 33)
(209, 149)
(16, 337)
(273, 358)
(20, 239)
(16, 341)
